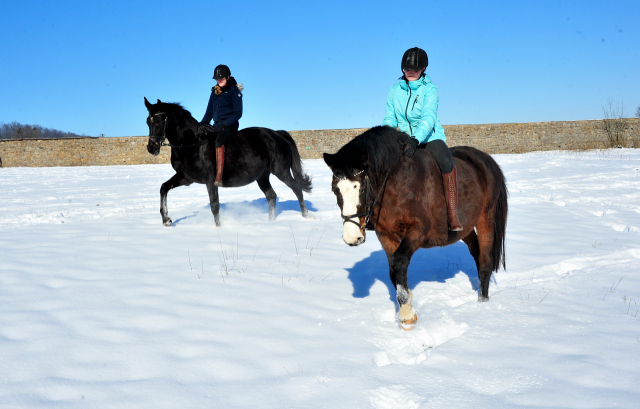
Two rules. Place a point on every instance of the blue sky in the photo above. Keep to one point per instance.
(84, 67)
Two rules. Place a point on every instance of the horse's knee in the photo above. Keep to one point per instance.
(165, 188)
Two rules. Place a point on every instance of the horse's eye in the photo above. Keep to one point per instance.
(355, 186)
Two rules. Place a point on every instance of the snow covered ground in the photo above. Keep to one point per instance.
(101, 306)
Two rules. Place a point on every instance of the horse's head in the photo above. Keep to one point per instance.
(351, 187)
(157, 122)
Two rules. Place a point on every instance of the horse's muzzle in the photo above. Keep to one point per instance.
(352, 238)
(154, 150)
(358, 241)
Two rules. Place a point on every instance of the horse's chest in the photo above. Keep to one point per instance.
(192, 170)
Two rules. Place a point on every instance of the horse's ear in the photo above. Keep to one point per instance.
(159, 101)
(329, 159)
(147, 104)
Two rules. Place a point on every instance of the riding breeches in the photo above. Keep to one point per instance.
(441, 153)
(226, 133)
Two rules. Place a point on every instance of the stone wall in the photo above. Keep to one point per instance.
(491, 138)
(79, 152)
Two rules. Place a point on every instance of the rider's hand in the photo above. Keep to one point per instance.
(410, 147)
(218, 127)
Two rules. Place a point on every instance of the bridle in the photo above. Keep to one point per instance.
(369, 205)
(160, 139)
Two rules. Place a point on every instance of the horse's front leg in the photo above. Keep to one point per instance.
(399, 257)
(175, 181)
(398, 266)
(214, 201)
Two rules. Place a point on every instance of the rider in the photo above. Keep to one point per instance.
(412, 107)
(225, 108)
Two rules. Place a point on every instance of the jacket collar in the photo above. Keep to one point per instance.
(414, 85)
(231, 82)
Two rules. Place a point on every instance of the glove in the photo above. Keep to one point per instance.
(410, 147)
(218, 127)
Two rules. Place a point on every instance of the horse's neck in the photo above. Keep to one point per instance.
(186, 134)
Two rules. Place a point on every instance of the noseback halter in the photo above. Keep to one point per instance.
(369, 204)
(160, 138)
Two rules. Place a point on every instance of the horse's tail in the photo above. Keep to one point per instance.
(500, 225)
(304, 180)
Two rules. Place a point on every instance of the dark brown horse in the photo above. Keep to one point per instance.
(402, 199)
(253, 154)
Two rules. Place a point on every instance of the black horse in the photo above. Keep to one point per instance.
(251, 155)
(402, 199)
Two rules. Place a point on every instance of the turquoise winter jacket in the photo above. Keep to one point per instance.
(414, 109)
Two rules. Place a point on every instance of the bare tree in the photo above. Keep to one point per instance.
(638, 111)
(614, 124)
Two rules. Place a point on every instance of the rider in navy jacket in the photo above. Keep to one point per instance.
(225, 108)
(225, 104)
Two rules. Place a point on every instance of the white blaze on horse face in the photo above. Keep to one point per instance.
(350, 192)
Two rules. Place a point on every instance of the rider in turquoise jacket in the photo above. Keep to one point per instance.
(412, 107)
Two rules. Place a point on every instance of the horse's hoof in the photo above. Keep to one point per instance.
(308, 216)
(168, 222)
(410, 323)
(482, 299)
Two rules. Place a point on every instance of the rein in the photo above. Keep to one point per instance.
(370, 206)
(161, 139)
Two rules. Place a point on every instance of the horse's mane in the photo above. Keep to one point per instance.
(377, 149)
(175, 108)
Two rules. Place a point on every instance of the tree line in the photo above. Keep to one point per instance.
(15, 130)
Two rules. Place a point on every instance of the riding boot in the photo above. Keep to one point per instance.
(219, 165)
(451, 194)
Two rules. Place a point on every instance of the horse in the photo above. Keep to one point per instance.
(251, 155)
(402, 199)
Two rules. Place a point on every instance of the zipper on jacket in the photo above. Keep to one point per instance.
(407, 107)
(414, 102)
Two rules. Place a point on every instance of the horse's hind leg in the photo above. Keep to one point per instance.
(175, 181)
(287, 179)
(484, 261)
(474, 248)
(269, 193)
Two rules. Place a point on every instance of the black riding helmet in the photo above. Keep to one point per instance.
(414, 59)
(221, 71)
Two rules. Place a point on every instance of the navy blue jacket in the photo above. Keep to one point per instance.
(225, 108)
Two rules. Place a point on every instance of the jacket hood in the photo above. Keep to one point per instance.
(231, 82)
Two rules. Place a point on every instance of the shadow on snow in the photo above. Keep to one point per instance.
(257, 206)
(436, 264)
